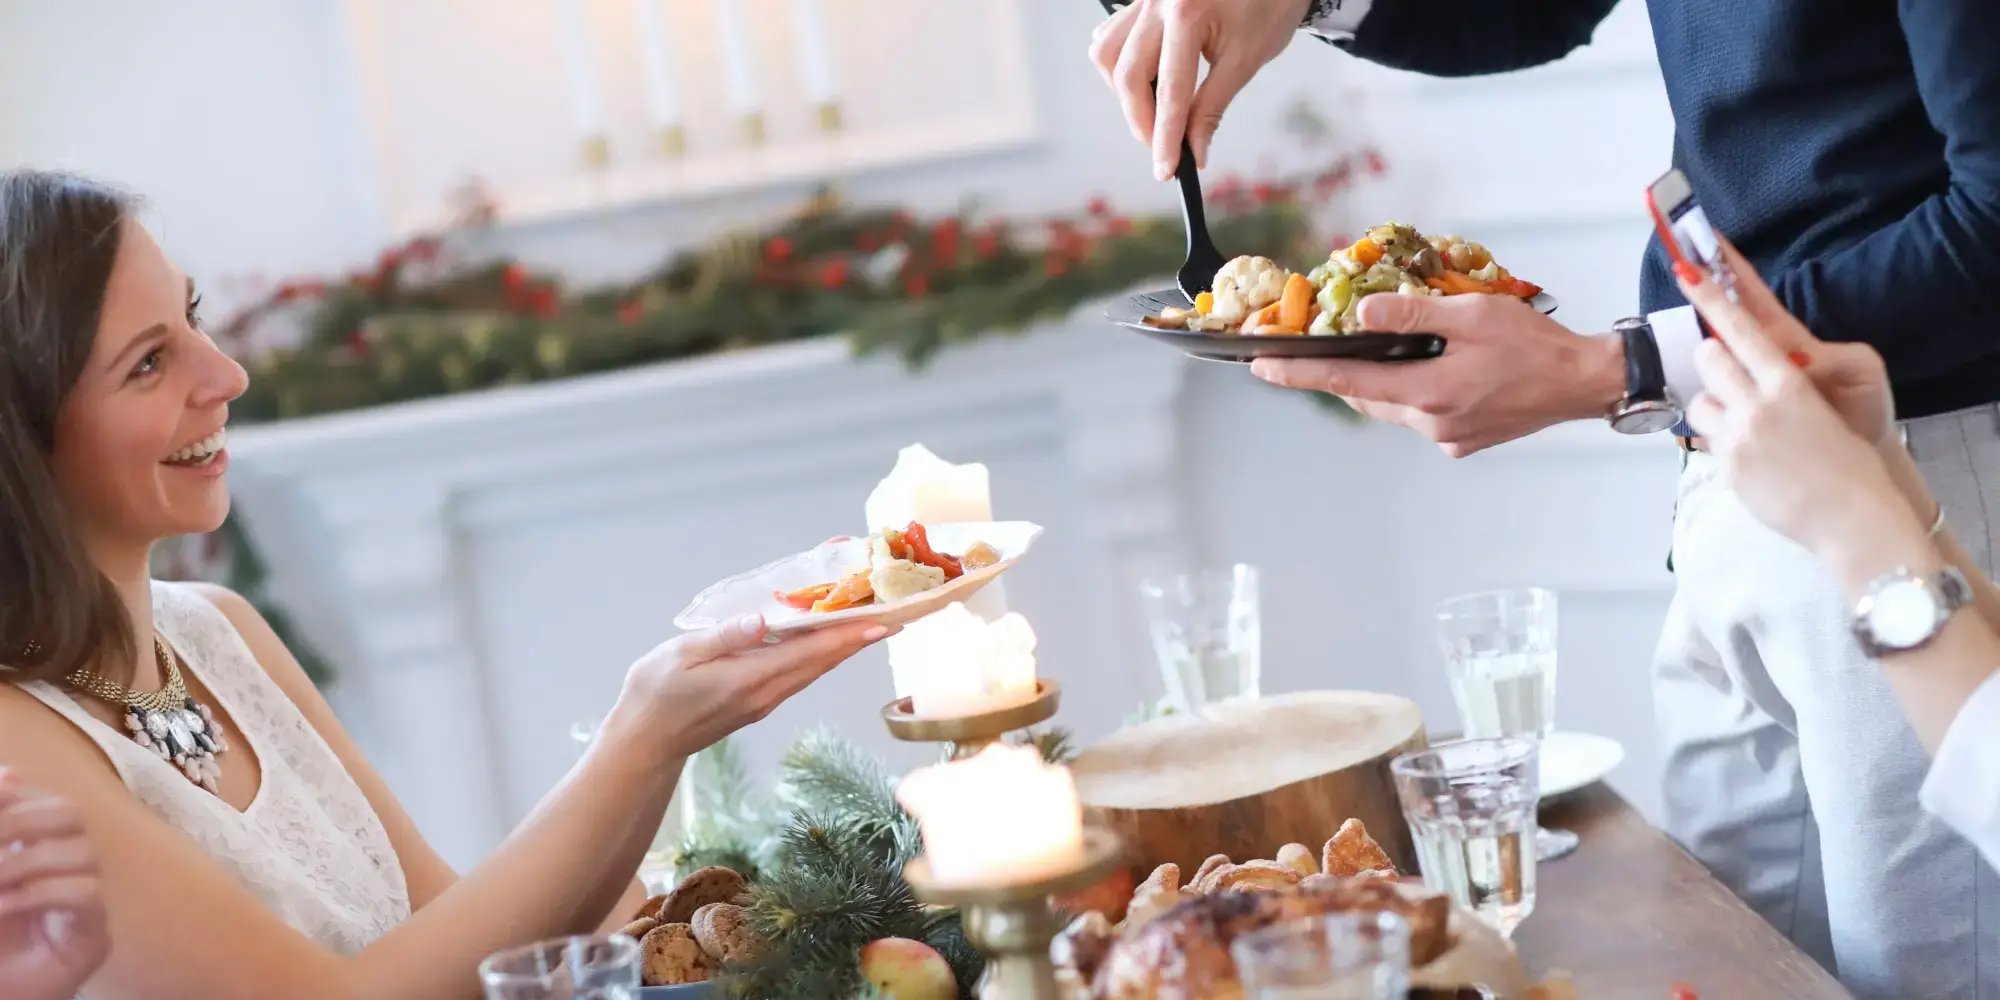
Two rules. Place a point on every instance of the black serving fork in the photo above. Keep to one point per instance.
(1197, 272)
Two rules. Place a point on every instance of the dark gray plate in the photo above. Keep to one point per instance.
(1132, 311)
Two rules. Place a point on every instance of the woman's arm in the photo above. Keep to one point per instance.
(1910, 482)
(560, 872)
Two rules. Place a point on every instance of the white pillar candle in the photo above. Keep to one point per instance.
(738, 65)
(968, 665)
(580, 66)
(929, 490)
(662, 98)
(815, 63)
(1001, 816)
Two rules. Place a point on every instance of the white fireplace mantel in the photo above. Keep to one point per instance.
(381, 528)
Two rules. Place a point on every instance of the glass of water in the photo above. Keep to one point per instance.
(572, 968)
(1471, 809)
(1353, 955)
(1500, 653)
(1207, 633)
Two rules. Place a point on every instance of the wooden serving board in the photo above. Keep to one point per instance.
(1246, 778)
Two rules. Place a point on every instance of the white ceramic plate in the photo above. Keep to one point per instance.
(755, 591)
(1572, 760)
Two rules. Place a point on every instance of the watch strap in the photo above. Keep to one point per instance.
(1645, 378)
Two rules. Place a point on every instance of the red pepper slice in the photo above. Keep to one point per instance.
(921, 552)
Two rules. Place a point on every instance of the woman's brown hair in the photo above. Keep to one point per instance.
(59, 235)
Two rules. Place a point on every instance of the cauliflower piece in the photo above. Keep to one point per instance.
(1245, 285)
(894, 579)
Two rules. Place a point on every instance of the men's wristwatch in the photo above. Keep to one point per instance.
(1903, 610)
(1647, 407)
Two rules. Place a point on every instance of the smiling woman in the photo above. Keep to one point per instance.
(188, 737)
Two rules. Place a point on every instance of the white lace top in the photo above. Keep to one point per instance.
(309, 845)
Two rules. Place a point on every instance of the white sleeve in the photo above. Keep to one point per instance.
(1337, 19)
(1963, 787)
(1676, 332)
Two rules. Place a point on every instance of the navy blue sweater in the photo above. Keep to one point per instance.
(1850, 149)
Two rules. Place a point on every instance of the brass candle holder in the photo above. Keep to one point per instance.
(970, 734)
(1011, 922)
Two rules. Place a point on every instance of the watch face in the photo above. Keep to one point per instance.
(1903, 614)
(1645, 420)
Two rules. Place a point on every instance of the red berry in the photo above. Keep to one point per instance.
(513, 277)
(1376, 165)
(777, 249)
(917, 286)
(631, 312)
(833, 275)
(543, 301)
(1099, 207)
(391, 259)
(986, 245)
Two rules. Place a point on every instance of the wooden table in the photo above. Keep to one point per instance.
(1629, 914)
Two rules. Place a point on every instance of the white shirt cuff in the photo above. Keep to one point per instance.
(1963, 786)
(1677, 331)
(1337, 19)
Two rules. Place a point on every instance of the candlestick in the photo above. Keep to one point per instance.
(737, 65)
(970, 734)
(815, 68)
(662, 99)
(585, 106)
(1010, 922)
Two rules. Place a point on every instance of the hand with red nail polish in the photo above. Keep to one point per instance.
(1851, 377)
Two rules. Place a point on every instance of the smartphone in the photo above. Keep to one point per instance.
(1685, 229)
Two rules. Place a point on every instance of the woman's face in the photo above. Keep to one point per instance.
(138, 441)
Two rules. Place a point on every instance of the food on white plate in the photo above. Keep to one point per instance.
(1256, 296)
(901, 564)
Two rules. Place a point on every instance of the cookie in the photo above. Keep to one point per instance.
(1300, 858)
(705, 886)
(1214, 861)
(1352, 851)
(670, 956)
(723, 931)
(638, 928)
(1250, 876)
(650, 909)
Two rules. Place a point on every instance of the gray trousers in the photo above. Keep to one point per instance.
(1790, 770)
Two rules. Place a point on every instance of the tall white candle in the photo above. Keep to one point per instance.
(662, 98)
(967, 665)
(738, 66)
(815, 62)
(929, 490)
(585, 106)
(1000, 816)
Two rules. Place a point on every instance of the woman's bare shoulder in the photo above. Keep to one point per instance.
(48, 749)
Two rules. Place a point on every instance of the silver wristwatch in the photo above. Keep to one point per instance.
(1647, 407)
(1903, 610)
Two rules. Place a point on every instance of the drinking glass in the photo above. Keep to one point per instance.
(1353, 955)
(1207, 633)
(1500, 653)
(1471, 809)
(571, 968)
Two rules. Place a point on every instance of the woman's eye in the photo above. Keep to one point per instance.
(150, 363)
(194, 312)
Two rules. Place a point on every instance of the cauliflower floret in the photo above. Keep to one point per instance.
(1245, 285)
(894, 579)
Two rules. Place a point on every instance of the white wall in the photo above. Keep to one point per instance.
(239, 119)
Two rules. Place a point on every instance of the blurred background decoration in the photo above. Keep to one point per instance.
(559, 310)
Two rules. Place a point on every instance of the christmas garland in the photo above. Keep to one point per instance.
(825, 862)
(420, 324)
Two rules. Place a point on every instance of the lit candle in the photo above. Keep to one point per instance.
(662, 100)
(1001, 816)
(584, 104)
(737, 65)
(929, 490)
(815, 68)
(969, 665)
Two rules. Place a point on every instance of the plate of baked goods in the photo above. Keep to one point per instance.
(687, 935)
(1256, 308)
(1173, 937)
(894, 576)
